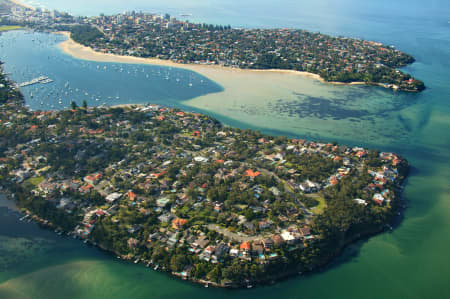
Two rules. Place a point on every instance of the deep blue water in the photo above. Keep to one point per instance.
(410, 262)
(97, 83)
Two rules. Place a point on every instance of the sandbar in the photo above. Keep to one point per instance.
(79, 51)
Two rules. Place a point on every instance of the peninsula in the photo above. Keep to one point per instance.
(181, 193)
(334, 59)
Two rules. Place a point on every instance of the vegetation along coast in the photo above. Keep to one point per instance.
(186, 195)
(181, 192)
(144, 35)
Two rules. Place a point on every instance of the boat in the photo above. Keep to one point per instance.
(185, 15)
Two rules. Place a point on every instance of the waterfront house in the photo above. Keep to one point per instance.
(132, 243)
(378, 198)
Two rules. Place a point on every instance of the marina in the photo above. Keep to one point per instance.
(36, 71)
(405, 259)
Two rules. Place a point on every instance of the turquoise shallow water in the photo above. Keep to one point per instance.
(410, 262)
(36, 54)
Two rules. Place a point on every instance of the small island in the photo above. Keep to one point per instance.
(182, 193)
(334, 59)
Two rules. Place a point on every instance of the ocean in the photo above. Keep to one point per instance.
(409, 262)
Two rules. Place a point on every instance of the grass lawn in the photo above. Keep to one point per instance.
(241, 207)
(320, 207)
(35, 181)
(7, 28)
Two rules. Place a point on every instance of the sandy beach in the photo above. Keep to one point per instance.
(79, 51)
(247, 95)
(261, 98)
(86, 53)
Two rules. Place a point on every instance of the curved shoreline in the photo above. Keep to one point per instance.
(80, 51)
(269, 280)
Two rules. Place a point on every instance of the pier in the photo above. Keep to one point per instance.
(41, 79)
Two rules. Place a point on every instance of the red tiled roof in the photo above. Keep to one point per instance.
(87, 187)
(251, 173)
(179, 222)
(132, 195)
(245, 246)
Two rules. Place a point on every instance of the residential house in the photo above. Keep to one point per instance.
(201, 242)
(178, 223)
(132, 243)
(245, 247)
(113, 197)
(378, 198)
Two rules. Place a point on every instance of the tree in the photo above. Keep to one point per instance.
(178, 262)
(200, 270)
(214, 274)
(73, 105)
(85, 105)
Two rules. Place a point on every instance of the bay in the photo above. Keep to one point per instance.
(37, 54)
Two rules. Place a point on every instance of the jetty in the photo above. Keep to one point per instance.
(41, 79)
